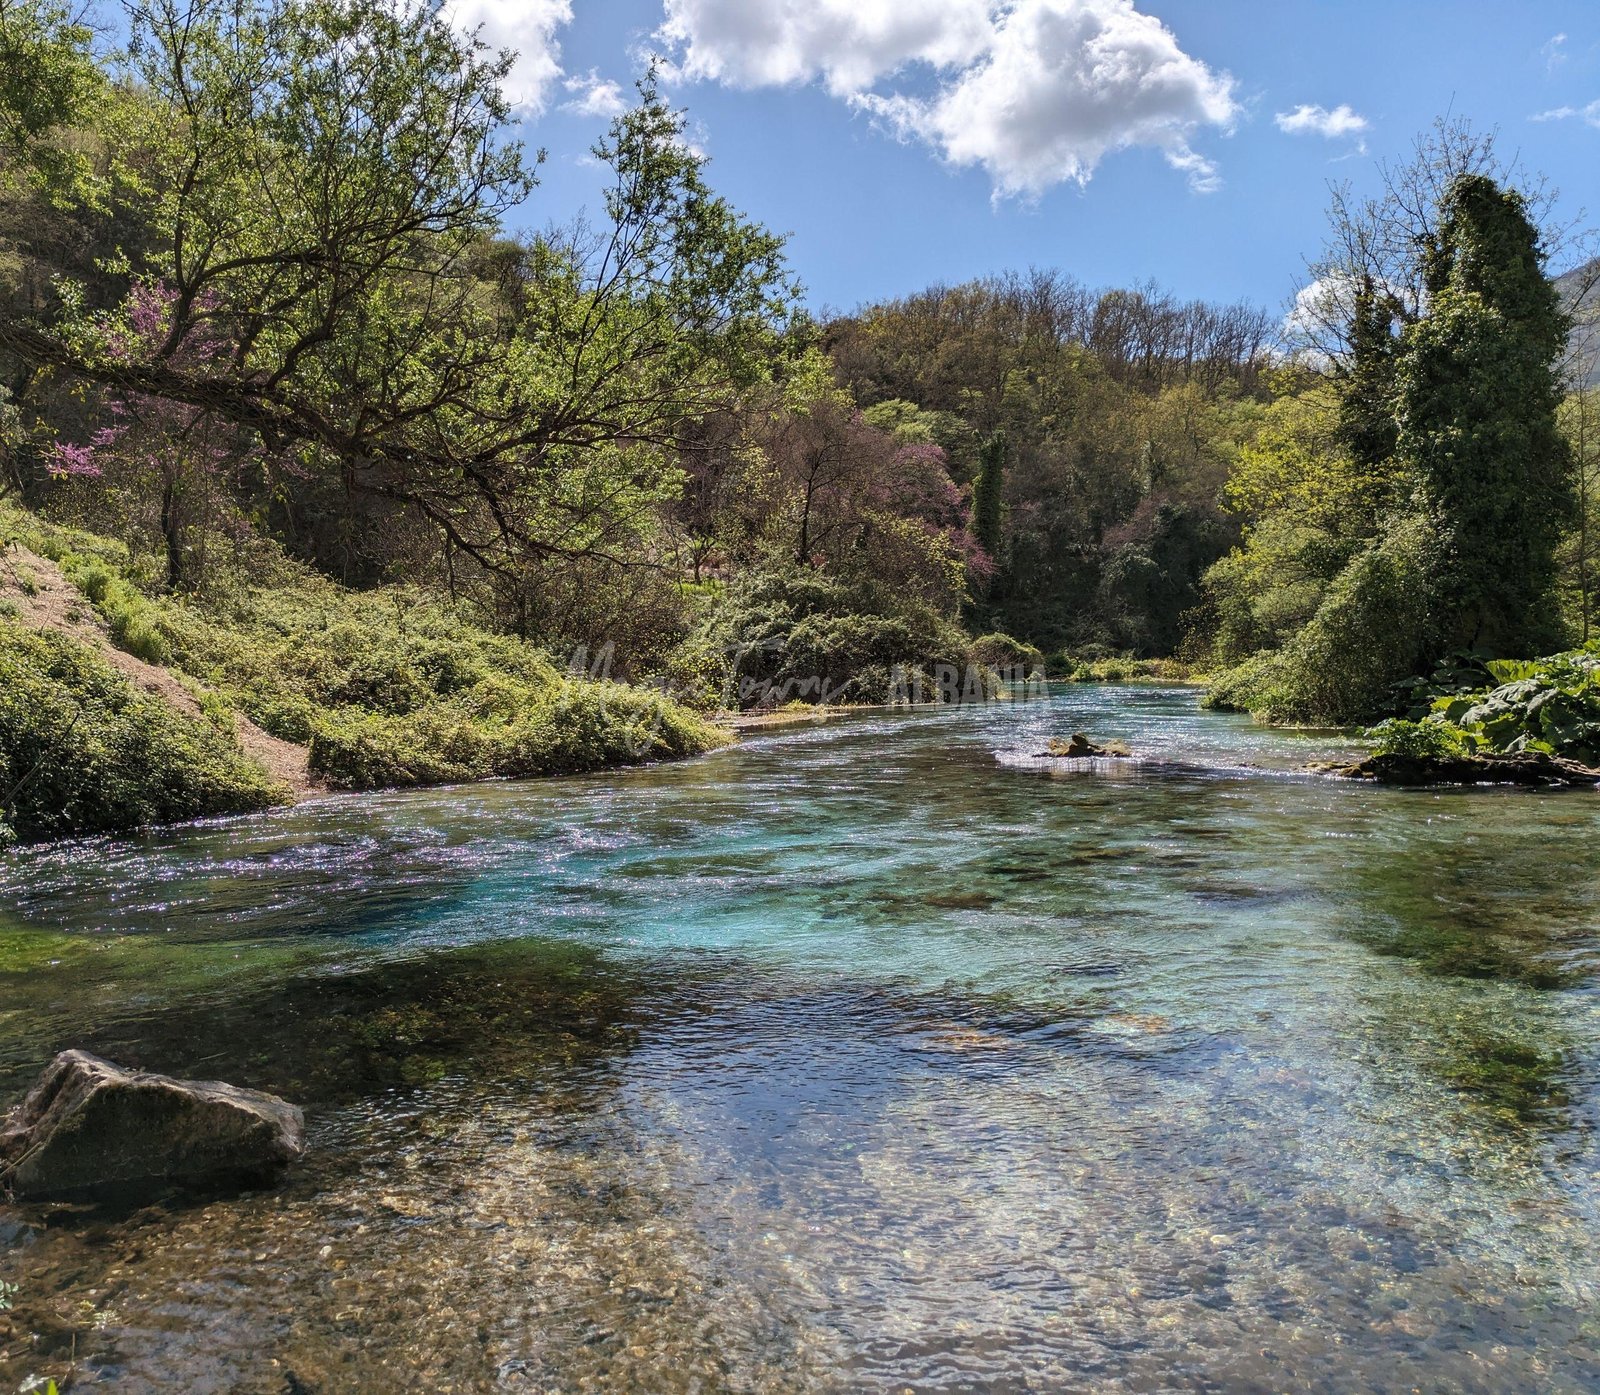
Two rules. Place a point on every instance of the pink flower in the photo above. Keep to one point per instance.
(67, 461)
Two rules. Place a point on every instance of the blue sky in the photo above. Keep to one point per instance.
(903, 142)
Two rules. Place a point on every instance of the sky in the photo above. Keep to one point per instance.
(899, 143)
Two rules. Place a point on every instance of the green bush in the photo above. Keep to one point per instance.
(386, 686)
(1418, 740)
(1549, 705)
(1003, 651)
(1083, 669)
(575, 727)
(82, 752)
(1371, 631)
(132, 619)
(780, 637)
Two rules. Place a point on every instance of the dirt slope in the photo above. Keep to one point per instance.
(46, 600)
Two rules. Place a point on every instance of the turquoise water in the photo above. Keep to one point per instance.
(871, 1056)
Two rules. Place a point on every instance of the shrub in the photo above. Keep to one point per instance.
(387, 686)
(1418, 740)
(575, 727)
(1258, 685)
(785, 636)
(1549, 705)
(82, 752)
(1371, 631)
(1002, 651)
(1118, 670)
(132, 619)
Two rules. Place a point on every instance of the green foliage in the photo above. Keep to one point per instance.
(1554, 708)
(1117, 669)
(1151, 584)
(988, 493)
(48, 82)
(1366, 426)
(387, 687)
(1370, 632)
(796, 635)
(1477, 393)
(488, 731)
(1419, 740)
(1005, 651)
(82, 752)
(391, 688)
(134, 622)
(1414, 509)
(1549, 706)
(1309, 507)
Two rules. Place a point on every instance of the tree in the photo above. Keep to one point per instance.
(1381, 245)
(49, 81)
(324, 183)
(1580, 553)
(1477, 394)
(988, 493)
(1366, 378)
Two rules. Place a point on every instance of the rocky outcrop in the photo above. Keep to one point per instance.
(1528, 768)
(90, 1127)
(1081, 748)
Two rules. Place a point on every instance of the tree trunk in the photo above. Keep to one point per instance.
(172, 535)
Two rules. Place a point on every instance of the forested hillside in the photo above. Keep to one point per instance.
(262, 315)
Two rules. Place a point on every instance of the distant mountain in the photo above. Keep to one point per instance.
(1580, 291)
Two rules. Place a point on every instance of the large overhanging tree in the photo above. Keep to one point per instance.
(321, 184)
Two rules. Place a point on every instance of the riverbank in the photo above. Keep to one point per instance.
(277, 684)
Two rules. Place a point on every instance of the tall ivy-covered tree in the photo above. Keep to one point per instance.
(1477, 389)
(988, 491)
(1366, 378)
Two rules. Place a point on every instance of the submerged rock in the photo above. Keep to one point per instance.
(1528, 768)
(93, 1127)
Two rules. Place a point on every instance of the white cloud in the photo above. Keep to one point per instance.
(1589, 115)
(1035, 92)
(594, 96)
(1319, 121)
(529, 27)
(1554, 51)
(849, 44)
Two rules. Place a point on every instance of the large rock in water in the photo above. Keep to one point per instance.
(90, 1126)
(1524, 768)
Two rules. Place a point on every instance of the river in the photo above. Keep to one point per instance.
(867, 1056)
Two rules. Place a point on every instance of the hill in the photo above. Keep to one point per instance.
(1580, 294)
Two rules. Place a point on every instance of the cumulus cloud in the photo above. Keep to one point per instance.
(529, 27)
(594, 96)
(1035, 92)
(1319, 121)
(1589, 115)
(849, 44)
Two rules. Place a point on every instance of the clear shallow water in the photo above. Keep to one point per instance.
(868, 1056)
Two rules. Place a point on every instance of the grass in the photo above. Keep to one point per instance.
(1118, 670)
(391, 686)
(82, 752)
